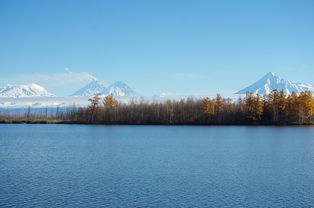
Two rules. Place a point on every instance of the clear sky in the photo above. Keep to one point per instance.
(155, 46)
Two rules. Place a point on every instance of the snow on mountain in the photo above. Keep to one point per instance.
(19, 91)
(271, 82)
(118, 89)
(92, 88)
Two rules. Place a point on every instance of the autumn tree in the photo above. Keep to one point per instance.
(110, 102)
(293, 107)
(282, 106)
(253, 107)
(208, 107)
(93, 106)
(219, 103)
(306, 106)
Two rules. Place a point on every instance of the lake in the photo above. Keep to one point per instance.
(156, 166)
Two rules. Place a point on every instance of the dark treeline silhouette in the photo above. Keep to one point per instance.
(275, 108)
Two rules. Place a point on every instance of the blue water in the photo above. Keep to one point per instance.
(156, 166)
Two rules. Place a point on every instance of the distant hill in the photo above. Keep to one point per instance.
(271, 81)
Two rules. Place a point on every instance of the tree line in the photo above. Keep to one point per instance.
(275, 108)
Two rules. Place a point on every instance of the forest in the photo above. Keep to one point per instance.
(275, 108)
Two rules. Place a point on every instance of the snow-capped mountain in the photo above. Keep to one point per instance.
(20, 91)
(92, 88)
(118, 89)
(271, 82)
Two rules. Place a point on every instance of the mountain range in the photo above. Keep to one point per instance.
(265, 85)
(271, 81)
(118, 89)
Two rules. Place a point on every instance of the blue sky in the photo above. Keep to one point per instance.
(177, 46)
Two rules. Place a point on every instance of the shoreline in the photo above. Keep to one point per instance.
(140, 124)
(275, 109)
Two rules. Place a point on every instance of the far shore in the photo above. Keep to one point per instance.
(275, 109)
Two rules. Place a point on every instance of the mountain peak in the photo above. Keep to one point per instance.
(271, 81)
(270, 74)
(92, 88)
(118, 89)
(29, 90)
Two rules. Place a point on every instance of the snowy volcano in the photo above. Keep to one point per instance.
(20, 91)
(118, 89)
(91, 89)
(272, 81)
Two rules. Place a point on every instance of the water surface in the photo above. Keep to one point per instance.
(156, 166)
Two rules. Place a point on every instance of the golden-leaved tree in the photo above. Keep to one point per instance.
(253, 107)
(110, 102)
(208, 107)
(306, 111)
